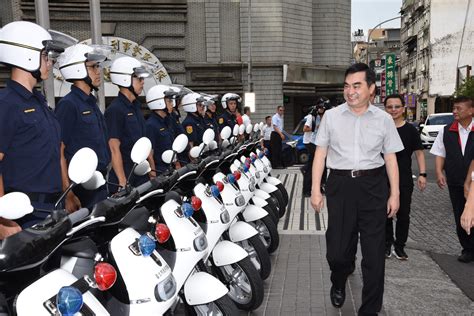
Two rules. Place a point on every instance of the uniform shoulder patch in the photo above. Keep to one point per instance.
(221, 120)
(189, 129)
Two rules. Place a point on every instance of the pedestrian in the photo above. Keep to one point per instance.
(230, 103)
(267, 131)
(353, 136)
(159, 128)
(82, 122)
(454, 151)
(30, 160)
(125, 121)
(193, 124)
(395, 106)
(246, 117)
(311, 125)
(276, 138)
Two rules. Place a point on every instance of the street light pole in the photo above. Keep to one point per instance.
(249, 63)
(42, 18)
(371, 30)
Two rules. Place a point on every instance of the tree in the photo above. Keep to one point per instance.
(466, 89)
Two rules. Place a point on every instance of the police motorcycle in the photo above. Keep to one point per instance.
(27, 255)
(225, 259)
(240, 231)
(186, 246)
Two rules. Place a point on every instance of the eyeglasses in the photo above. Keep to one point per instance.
(394, 107)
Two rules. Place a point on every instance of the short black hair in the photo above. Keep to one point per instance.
(267, 117)
(394, 96)
(463, 98)
(358, 67)
(246, 109)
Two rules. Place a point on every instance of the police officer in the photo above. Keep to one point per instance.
(193, 124)
(173, 97)
(30, 133)
(210, 117)
(82, 123)
(230, 102)
(124, 119)
(158, 126)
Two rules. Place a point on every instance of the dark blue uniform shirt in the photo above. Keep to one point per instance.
(227, 119)
(30, 140)
(194, 126)
(83, 125)
(173, 121)
(125, 122)
(161, 136)
(211, 122)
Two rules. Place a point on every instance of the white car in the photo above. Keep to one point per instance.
(433, 124)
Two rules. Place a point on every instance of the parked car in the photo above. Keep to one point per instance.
(431, 127)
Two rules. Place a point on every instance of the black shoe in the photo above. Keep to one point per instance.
(388, 252)
(400, 253)
(338, 296)
(466, 257)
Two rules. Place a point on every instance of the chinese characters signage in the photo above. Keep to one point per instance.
(390, 81)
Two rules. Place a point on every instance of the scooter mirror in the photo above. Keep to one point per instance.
(241, 129)
(225, 143)
(249, 129)
(167, 156)
(208, 136)
(82, 165)
(96, 181)
(226, 132)
(141, 150)
(142, 169)
(180, 143)
(235, 131)
(213, 145)
(232, 139)
(195, 151)
(15, 205)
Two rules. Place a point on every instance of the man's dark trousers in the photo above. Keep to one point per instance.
(308, 168)
(275, 149)
(403, 219)
(456, 194)
(358, 206)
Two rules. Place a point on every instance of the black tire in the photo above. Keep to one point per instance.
(273, 203)
(303, 157)
(258, 255)
(268, 233)
(283, 192)
(273, 213)
(224, 304)
(281, 203)
(248, 277)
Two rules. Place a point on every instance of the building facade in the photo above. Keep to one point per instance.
(299, 49)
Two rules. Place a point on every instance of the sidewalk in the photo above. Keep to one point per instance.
(299, 284)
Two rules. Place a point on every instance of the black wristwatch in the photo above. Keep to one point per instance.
(423, 174)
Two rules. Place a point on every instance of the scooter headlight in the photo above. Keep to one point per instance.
(251, 186)
(257, 174)
(200, 242)
(225, 217)
(165, 289)
(252, 181)
(240, 200)
(265, 169)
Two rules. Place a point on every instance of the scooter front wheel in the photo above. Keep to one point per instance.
(244, 283)
(268, 233)
(258, 255)
(223, 306)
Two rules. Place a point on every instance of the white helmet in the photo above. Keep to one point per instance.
(189, 102)
(72, 63)
(155, 97)
(21, 44)
(123, 68)
(230, 96)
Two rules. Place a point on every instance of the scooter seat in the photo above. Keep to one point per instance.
(84, 248)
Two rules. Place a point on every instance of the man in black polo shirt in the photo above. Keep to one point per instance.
(395, 106)
(454, 151)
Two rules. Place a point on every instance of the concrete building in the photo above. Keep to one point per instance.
(438, 41)
(300, 49)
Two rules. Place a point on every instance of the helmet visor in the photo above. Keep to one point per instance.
(53, 49)
(141, 72)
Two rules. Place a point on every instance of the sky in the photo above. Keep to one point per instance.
(368, 13)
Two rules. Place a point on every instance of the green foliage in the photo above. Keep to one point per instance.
(466, 89)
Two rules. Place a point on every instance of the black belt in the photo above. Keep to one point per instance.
(358, 173)
(40, 197)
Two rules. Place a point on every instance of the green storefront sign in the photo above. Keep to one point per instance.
(390, 81)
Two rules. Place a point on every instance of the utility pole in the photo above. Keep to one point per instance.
(42, 18)
(96, 30)
(370, 33)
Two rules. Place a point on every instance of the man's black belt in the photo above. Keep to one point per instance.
(358, 173)
(40, 197)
